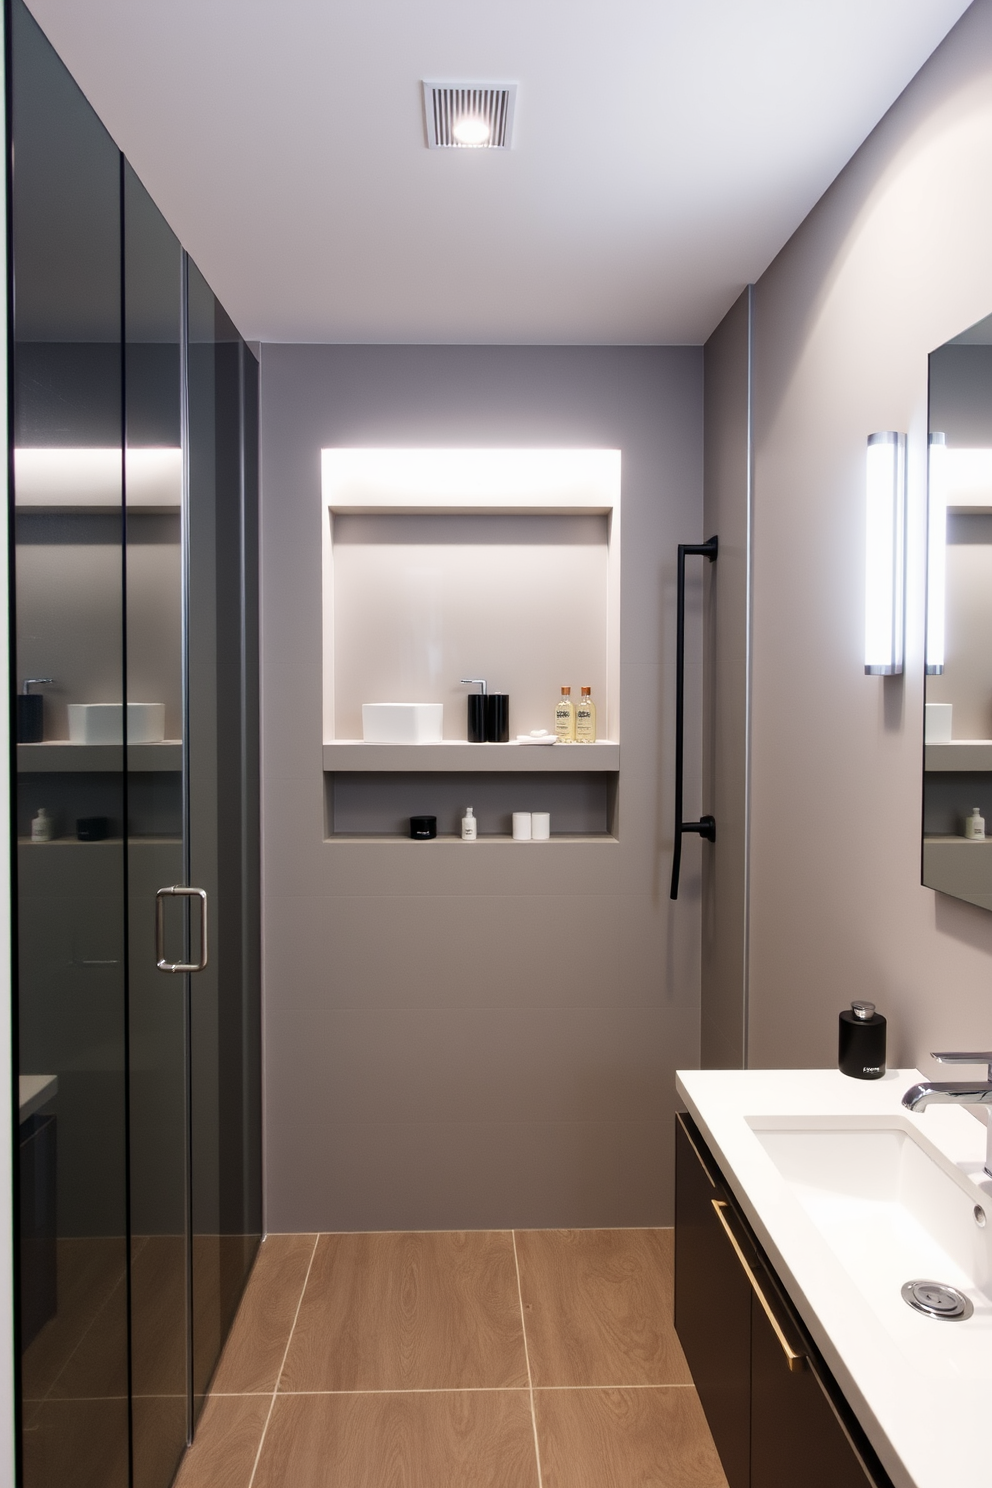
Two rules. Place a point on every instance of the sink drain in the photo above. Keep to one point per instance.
(936, 1300)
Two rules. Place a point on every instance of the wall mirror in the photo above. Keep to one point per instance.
(957, 777)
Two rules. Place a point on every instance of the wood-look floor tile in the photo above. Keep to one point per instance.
(98, 1364)
(598, 1307)
(409, 1311)
(77, 1444)
(648, 1438)
(158, 1437)
(158, 1316)
(89, 1271)
(226, 1442)
(257, 1342)
(449, 1439)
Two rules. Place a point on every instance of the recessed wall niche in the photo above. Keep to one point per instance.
(452, 563)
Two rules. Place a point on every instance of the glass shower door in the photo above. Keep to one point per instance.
(157, 1002)
(70, 1008)
(221, 825)
(134, 581)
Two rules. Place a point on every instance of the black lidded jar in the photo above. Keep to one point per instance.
(861, 1044)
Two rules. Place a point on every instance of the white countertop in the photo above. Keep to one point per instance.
(923, 1398)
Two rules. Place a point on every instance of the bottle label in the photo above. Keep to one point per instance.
(565, 720)
(585, 722)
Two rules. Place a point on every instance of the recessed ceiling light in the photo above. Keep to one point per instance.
(469, 116)
(471, 131)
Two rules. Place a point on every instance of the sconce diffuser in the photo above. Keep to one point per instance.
(936, 553)
(885, 554)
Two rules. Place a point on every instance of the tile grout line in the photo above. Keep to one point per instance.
(530, 1377)
(282, 1366)
(420, 1390)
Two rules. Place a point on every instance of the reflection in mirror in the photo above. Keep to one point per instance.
(957, 780)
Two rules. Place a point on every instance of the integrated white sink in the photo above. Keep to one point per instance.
(890, 1210)
(851, 1197)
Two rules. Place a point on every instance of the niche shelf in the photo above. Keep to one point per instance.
(960, 867)
(443, 564)
(491, 839)
(456, 755)
(58, 756)
(959, 754)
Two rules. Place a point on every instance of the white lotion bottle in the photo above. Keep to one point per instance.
(974, 825)
(470, 826)
(41, 826)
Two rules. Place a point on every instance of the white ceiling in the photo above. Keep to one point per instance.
(664, 152)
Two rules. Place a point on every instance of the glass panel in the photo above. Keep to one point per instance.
(157, 1002)
(223, 1014)
(251, 1053)
(70, 786)
(957, 780)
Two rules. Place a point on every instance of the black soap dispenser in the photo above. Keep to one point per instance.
(861, 1045)
(31, 712)
(477, 701)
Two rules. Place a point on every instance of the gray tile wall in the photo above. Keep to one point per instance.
(478, 1037)
(726, 507)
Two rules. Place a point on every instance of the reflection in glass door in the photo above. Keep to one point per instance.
(70, 931)
(135, 516)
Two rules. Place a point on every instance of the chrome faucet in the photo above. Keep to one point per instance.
(957, 1092)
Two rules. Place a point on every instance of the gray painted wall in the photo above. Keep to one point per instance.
(480, 1036)
(895, 259)
(726, 512)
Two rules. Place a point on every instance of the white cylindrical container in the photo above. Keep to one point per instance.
(521, 826)
(540, 825)
(469, 826)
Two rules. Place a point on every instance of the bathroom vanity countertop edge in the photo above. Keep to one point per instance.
(884, 1385)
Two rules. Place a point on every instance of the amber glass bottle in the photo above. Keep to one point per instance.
(565, 717)
(585, 718)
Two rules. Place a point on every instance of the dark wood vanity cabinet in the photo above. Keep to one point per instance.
(776, 1414)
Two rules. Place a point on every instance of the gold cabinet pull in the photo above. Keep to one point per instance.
(795, 1361)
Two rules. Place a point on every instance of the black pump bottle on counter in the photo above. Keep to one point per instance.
(861, 1045)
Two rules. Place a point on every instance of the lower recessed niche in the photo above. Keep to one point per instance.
(376, 804)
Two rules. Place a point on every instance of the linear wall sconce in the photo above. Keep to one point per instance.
(885, 554)
(936, 552)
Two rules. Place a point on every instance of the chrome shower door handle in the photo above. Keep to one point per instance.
(179, 891)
